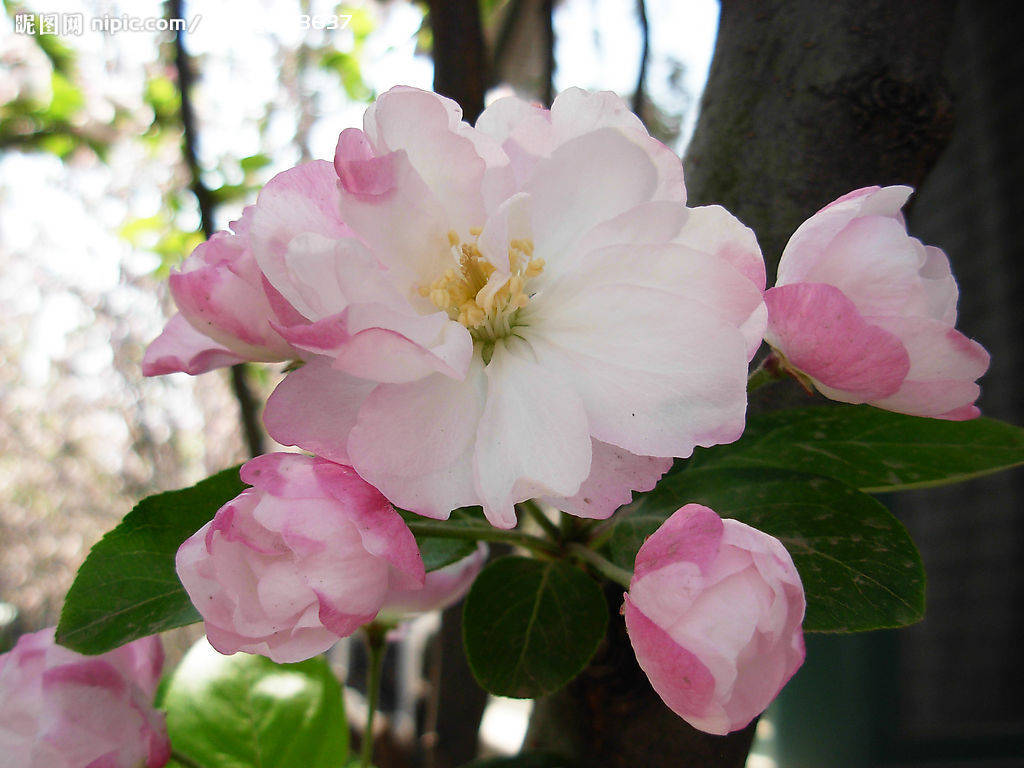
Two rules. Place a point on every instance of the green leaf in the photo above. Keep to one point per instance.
(871, 449)
(127, 587)
(859, 567)
(245, 711)
(255, 162)
(439, 552)
(529, 626)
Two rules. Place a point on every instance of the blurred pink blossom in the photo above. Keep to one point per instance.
(59, 709)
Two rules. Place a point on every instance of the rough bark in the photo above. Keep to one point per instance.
(807, 100)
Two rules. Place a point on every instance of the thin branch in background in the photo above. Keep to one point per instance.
(548, 11)
(247, 405)
(645, 52)
(503, 40)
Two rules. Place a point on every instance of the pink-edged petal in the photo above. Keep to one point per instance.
(444, 151)
(533, 438)
(693, 534)
(682, 681)
(441, 588)
(712, 229)
(219, 291)
(500, 119)
(877, 266)
(181, 348)
(285, 475)
(329, 274)
(415, 441)
(575, 112)
(808, 244)
(586, 181)
(944, 365)
(381, 528)
(360, 170)
(939, 285)
(285, 647)
(300, 200)
(315, 408)
(614, 475)
(404, 226)
(376, 342)
(658, 373)
(820, 332)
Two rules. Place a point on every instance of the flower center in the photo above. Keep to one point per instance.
(474, 293)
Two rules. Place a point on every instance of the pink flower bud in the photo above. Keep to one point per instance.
(868, 312)
(305, 556)
(59, 709)
(714, 612)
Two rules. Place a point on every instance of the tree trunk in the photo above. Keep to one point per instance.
(805, 101)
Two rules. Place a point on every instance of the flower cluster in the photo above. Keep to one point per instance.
(527, 309)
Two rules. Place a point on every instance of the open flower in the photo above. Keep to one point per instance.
(714, 613)
(59, 709)
(506, 325)
(868, 312)
(304, 557)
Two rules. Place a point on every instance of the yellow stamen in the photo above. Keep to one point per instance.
(474, 295)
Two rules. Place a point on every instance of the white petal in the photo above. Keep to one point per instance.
(533, 438)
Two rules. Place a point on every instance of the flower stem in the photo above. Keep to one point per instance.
(443, 530)
(532, 508)
(375, 644)
(770, 370)
(603, 566)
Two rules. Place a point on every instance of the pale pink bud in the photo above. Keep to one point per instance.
(714, 613)
(305, 556)
(868, 312)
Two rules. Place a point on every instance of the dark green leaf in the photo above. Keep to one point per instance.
(529, 626)
(859, 568)
(437, 552)
(871, 449)
(245, 711)
(127, 587)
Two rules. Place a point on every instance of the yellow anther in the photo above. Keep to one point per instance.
(467, 292)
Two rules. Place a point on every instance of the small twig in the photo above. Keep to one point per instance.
(645, 52)
(603, 566)
(532, 508)
(442, 530)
